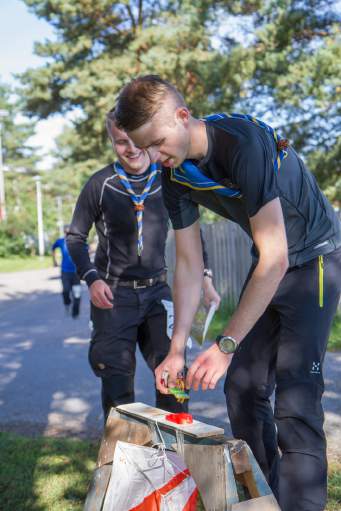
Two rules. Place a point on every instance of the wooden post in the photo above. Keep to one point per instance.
(217, 489)
(248, 472)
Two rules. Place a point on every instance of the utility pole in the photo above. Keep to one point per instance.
(41, 242)
(3, 216)
(60, 221)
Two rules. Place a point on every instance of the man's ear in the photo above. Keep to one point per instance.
(182, 115)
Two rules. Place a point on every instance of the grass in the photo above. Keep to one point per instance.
(334, 487)
(218, 323)
(38, 474)
(17, 263)
(334, 343)
(47, 474)
(225, 311)
(220, 320)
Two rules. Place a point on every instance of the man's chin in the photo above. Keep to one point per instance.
(135, 161)
(135, 164)
(170, 163)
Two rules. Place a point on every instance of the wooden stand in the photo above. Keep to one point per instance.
(225, 471)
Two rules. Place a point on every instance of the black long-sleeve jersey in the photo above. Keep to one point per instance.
(105, 202)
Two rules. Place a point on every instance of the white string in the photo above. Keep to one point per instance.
(160, 453)
(161, 456)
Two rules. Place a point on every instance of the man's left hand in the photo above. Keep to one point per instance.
(208, 368)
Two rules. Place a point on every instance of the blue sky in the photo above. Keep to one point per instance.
(18, 31)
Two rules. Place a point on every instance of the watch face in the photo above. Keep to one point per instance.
(227, 345)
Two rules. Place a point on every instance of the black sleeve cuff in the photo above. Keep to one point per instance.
(256, 207)
(185, 219)
(90, 276)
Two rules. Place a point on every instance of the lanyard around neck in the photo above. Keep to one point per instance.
(138, 199)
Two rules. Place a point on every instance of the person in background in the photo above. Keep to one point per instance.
(70, 280)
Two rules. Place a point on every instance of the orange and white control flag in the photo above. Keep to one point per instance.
(145, 479)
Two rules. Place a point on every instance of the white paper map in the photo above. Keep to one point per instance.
(209, 317)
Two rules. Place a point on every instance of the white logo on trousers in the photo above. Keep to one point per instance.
(316, 368)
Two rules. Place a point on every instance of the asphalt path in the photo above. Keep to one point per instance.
(47, 386)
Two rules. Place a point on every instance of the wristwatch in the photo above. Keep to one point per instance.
(226, 344)
(208, 273)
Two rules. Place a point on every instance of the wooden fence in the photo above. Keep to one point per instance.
(229, 257)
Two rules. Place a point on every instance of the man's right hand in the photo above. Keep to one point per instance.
(172, 365)
(101, 295)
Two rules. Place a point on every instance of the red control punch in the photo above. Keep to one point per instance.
(180, 418)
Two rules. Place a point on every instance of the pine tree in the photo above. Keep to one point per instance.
(102, 44)
(279, 60)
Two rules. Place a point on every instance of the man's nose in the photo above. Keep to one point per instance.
(132, 147)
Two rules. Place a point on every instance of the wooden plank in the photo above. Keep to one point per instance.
(240, 457)
(267, 503)
(119, 429)
(242, 467)
(98, 487)
(247, 470)
(231, 487)
(141, 411)
(207, 465)
(261, 483)
(248, 481)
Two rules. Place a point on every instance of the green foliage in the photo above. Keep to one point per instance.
(18, 234)
(326, 165)
(219, 322)
(19, 160)
(207, 216)
(24, 263)
(334, 343)
(279, 60)
(20, 229)
(11, 243)
(334, 486)
(90, 62)
(18, 154)
(224, 313)
(296, 82)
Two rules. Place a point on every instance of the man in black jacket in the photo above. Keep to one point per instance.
(238, 167)
(130, 300)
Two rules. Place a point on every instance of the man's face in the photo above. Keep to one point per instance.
(165, 137)
(132, 159)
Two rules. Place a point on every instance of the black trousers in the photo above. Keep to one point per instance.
(139, 317)
(285, 351)
(69, 280)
